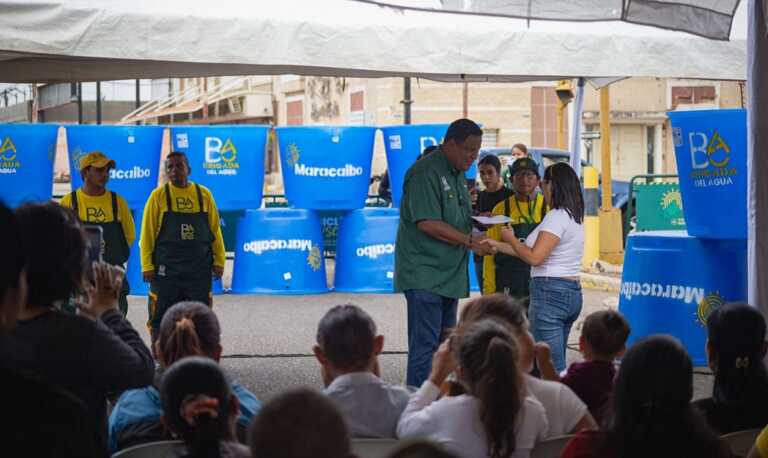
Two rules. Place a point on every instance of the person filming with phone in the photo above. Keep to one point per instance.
(96, 206)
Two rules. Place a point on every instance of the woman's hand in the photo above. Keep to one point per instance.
(443, 363)
(502, 247)
(103, 294)
(508, 235)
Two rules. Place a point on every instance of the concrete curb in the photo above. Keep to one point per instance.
(600, 282)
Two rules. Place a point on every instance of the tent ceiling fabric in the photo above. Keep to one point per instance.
(69, 40)
(707, 18)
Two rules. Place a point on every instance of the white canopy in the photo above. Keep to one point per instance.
(78, 40)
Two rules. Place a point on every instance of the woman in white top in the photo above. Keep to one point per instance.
(495, 418)
(554, 250)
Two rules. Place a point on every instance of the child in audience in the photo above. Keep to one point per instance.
(300, 423)
(200, 409)
(348, 349)
(735, 349)
(603, 339)
(421, 449)
(651, 414)
(566, 413)
(187, 329)
(495, 418)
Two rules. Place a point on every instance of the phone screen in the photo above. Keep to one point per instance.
(94, 238)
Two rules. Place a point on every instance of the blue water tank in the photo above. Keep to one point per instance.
(279, 251)
(365, 251)
(27, 153)
(133, 271)
(228, 160)
(135, 150)
(672, 281)
(326, 168)
(711, 151)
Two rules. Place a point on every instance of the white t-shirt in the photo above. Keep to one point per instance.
(563, 407)
(454, 423)
(565, 259)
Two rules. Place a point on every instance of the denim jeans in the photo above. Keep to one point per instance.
(429, 314)
(555, 305)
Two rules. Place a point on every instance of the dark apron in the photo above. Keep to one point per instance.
(115, 249)
(513, 275)
(183, 249)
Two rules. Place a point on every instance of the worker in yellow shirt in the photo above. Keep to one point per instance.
(181, 242)
(96, 206)
(526, 208)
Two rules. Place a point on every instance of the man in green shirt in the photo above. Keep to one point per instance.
(433, 243)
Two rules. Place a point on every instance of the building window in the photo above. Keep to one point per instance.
(357, 107)
(490, 138)
(294, 110)
(544, 117)
(693, 95)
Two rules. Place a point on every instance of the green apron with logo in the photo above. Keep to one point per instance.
(115, 249)
(513, 275)
(184, 244)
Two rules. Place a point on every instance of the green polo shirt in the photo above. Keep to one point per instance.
(433, 190)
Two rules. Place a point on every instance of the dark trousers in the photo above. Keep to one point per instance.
(165, 292)
(429, 316)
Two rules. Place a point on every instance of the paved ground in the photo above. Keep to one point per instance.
(267, 340)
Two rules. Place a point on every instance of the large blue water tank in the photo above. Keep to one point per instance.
(365, 251)
(228, 160)
(135, 150)
(326, 168)
(672, 281)
(279, 251)
(133, 271)
(27, 153)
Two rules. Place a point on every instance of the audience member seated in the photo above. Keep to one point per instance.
(421, 449)
(651, 413)
(735, 350)
(187, 329)
(495, 418)
(200, 409)
(300, 423)
(348, 349)
(89, 355)
(38, 419)
(603, 339)
(566, 413)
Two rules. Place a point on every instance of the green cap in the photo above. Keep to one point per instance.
(524, 163)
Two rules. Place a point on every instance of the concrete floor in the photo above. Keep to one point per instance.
(267, 340)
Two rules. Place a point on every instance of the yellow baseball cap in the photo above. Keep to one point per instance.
(95, 159)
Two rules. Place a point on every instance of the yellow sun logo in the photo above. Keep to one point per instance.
(314, 258)
(707, 305)
(292, 155)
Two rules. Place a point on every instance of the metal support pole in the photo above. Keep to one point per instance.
(98, 102)
(138, 96)
(79, 102)
(605, 147)
(561, 124)
(465, 100)
(205, 98)
(407, 102)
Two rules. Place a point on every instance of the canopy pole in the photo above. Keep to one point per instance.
(605, 147)
(465, 100)
(98, 102)
(79, 102)
(407, 100)
(578, 114)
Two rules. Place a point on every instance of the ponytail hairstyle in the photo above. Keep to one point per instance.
(736, 344)
(196, 405)
(188, 329)
(488, 356)
(566, 190)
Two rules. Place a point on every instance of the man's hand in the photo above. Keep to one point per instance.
(149, 276)
(443, 363)
(103, 294)
(218, 272)
(474, 193)
(479, 247)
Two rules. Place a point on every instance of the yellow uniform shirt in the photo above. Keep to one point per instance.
(98, 209)
(489, 266)
(153, 219)
(762, 443)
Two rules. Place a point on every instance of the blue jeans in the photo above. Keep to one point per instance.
(429, 314)
(555, 305)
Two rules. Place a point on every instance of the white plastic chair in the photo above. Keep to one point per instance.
(374, 448)
(550, 448)
(741, 441)
(161, 449)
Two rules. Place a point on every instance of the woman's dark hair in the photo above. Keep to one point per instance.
(192, 388)
(188, 329)
(521, 147)
(492, 160)
(346, 334)
(496, 306)
(488, 356)
(461, 129)
(13, 251)
(651, 411)
(566, 190)
(54, 242)
(421, 449)
(736, 335)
